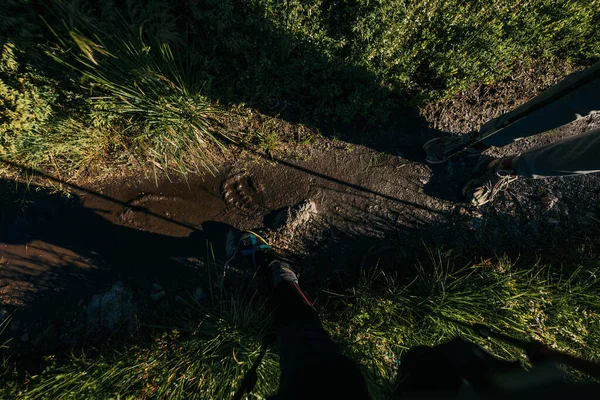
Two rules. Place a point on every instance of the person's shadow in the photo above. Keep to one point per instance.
(301, 84)
(54, 252)
(241, 57)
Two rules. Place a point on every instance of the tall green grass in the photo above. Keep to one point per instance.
(129, 72)
(375, 322)
(45, 127)
(385, 317)
(136, 101)
(342, 60)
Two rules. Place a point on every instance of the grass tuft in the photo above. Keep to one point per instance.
(205, 356)
(172, 123)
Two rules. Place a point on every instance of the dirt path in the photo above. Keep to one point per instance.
(56, 252)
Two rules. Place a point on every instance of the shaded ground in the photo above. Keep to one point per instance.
(373, 207)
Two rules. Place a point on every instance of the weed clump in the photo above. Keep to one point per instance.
(143, 80)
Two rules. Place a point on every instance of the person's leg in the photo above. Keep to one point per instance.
(576, 155)
(312, 365)
(575, 104)
(576, 96)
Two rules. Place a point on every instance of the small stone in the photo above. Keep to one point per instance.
(25, 337)
(548, 202)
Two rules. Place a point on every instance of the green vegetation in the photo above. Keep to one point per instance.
(142, 79)
(84, 85)
(204, 357)
(173, 121)
(375, 322)
(384, 318)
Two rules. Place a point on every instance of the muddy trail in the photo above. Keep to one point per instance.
(366, 208)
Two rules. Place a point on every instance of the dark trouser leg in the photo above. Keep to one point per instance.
(312, 366)
(572, 156)
(578, 103)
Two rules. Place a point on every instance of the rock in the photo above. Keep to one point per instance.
(290, 218)
(548, 202)
(25, 337)
(199, 295)
(112, 311)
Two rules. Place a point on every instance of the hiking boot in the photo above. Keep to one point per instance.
(441, 149)
(494, 180)
(281, 271)
(257, 251)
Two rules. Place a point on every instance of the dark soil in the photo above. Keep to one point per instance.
(373, 208)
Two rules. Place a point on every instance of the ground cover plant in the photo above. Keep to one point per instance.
(88, 85)
(86, 82)
(215, 341)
